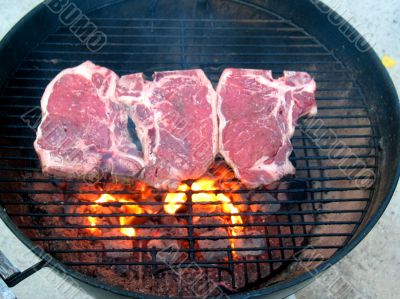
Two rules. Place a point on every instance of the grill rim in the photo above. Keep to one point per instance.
(281, 287)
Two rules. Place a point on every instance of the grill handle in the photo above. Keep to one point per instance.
(7, 272)
(7, 269)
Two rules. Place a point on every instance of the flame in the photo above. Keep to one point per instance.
(128, 231)
(124, 220)
(93, 222)
(129, 209)
(206, 198)
(203, 184)
(206, 184)
(173, 199)
(145, 191)
(226, 177)
(228, 207)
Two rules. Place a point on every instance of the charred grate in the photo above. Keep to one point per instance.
(320, 209)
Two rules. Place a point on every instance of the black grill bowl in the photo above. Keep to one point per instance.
(346, 157)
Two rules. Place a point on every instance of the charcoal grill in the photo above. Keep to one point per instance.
(346, 157)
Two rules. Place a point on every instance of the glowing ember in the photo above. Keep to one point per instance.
(106, 198)
(124, 220)
(204, 184)
(129, 209)
(93, 222)
(227, 207)
(173, 200)
(128, 231)
(206, 199)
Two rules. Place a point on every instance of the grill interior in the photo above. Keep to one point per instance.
(336, 153)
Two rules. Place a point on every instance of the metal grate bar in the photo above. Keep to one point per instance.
(346, 167)
(185, 238)
(201, 264)
(34, 158)
(46, 80)
(162, 226)
(191, 53)
(327, 247)
(169, 35)
(127, 203)
(297, 179)
(329, 147)
(169, 43)
(41, 87)
(128, 66)
(242, 191)
(188, 45)
(165, 28)
(160, 215)
(6, 115)
(212, 21)
(219, 67)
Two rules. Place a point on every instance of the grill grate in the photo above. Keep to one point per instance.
(333, 152)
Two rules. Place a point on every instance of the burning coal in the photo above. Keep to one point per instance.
(205, 202)
(122, 220)
(212, 200)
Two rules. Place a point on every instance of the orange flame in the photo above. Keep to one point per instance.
(93, 222)
(129, 209)
(228, 207)
(204, 198)
(125, 220)
(204, 184)
(173, 202)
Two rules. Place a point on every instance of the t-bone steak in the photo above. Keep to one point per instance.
(257, 119)
(84, 129)
(176, 121)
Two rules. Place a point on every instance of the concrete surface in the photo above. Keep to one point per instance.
(372, 269)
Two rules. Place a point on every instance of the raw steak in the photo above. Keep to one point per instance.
(175, 118)
(257, 118)
(84, 128)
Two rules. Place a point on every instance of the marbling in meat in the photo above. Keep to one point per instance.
(84, 128)
(257, 118)
(175, 118)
